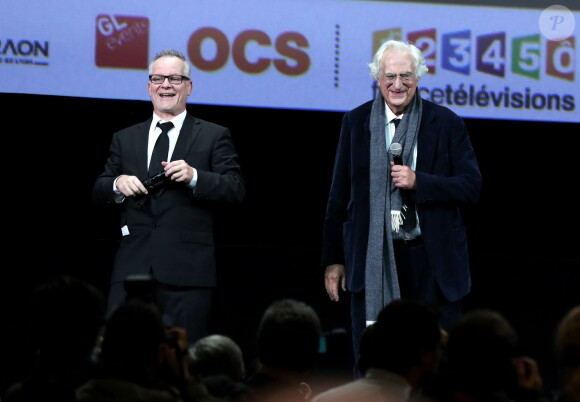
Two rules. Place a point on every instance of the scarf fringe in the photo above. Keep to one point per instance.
(397, 218)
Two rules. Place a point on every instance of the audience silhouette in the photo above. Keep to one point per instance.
(288, 340)
(64, 317)
(567, 353)
(483, 363)
(399, 356)
(218, 362)
(139, 359)
(80, 355)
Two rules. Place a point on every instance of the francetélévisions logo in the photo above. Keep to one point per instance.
(122, 41)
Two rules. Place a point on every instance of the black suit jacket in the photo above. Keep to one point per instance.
(171, 231)
(448, 176)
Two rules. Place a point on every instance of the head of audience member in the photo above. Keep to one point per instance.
(567, 351)
(218, 362)
(288, 341)
(406, 339)
(480, 352)
(64, 317)
(217, 355)
(289, 336)
(139, 359)
(136, 346)
(399, 356)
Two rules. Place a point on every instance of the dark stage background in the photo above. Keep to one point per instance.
(524, 247)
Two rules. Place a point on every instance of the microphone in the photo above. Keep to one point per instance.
(396, 151)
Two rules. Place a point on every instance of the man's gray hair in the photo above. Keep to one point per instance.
(401, 47)
(172, 53)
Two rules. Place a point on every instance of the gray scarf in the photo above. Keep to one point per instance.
(381, 282)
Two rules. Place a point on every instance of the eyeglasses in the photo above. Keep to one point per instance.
(406, 78)
(173, 79)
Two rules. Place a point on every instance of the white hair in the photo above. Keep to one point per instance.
(401, 47)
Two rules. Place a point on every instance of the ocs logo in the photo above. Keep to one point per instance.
(123, 42)
(291, 58)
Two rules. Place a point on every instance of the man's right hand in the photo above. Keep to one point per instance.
(334, 275)
(130, 186)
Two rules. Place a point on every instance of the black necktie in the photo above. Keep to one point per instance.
(410, 220)
(396, 122)
(161, 149)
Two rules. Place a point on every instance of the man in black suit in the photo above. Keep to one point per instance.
(167, 229)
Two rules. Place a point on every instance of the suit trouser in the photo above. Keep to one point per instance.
(181, 306)
(416, 281)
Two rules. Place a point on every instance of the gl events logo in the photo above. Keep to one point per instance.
(123, 42)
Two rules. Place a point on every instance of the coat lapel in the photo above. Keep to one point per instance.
(141, 140)
(427, 140)
(187, 135)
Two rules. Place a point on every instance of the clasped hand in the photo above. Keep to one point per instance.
(178, 171)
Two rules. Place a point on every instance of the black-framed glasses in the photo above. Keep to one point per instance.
(173, 79)
(406, 78)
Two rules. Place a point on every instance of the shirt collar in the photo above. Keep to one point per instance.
(390, 115)
(177, 120)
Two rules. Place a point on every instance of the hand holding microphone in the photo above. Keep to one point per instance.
(403, 177)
